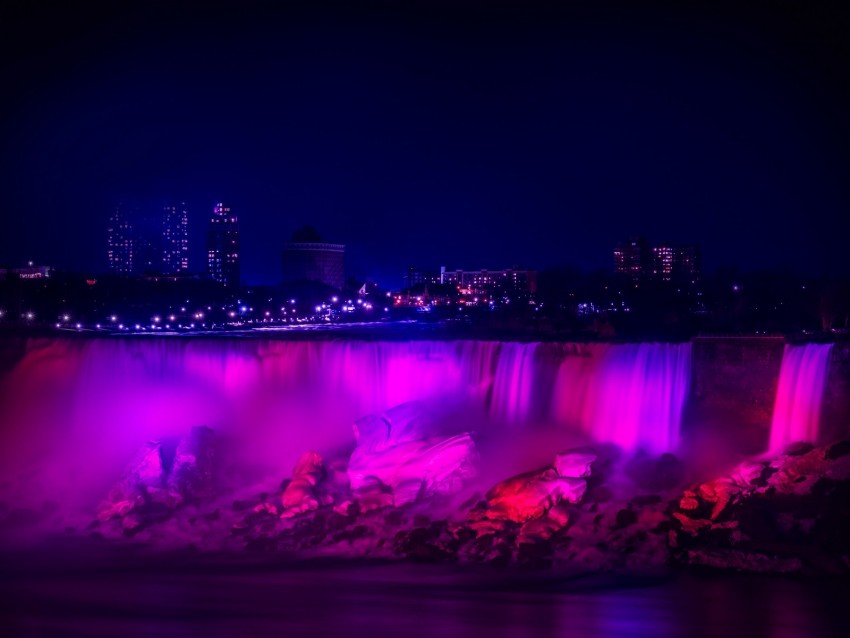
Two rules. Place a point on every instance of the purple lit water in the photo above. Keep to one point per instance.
(86, 405)
(802, 379)
(103, 592)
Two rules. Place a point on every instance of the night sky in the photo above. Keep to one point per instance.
(430, 134)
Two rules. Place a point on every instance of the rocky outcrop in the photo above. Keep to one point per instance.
(161, 477)
(788, 514)
(192, 474)
(399, 450)
(300, 494)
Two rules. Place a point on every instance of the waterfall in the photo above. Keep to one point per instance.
(79, 408)
(802, 379)
(631, 394)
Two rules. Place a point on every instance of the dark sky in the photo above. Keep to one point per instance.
(448, 134)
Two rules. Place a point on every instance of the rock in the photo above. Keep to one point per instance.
(559, 514)
(145, 469)
(530, 495)
(749, 474)
(399, 449)
(486, 526)
(266, 508)
(691, 525)
(407, 492)
(790, 514)
(108, 510)
(718, 492)
(131, 524)
(373, 495)
(192, 474)
(574, 463)
(646, 500)
(300, 494)
(799, 448)
(624, 518)
(346, 508)
(535, 555)
(541, 529)
(164, 496)
(837, 450)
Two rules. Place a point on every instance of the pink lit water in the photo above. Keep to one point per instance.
(73, 411)
(97, 592)
(797, 410)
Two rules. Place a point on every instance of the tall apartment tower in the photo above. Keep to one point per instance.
(632, 259)
(175, 239)
(120, 244)
(674, 263)
(223, 246)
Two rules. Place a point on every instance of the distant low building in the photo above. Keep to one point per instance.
(30, 271)
(307, 258)
(510, 281)
(499, 286)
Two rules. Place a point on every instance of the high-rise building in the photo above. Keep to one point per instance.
(120, 244)
(175, 239)
(633, 259)
(307, 258)
(223, 246)
(678, 263)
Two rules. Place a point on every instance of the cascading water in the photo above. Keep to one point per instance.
(802, 379)
(630, 394)
(81, 407)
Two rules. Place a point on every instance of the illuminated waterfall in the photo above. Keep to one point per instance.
(78, 407)
(802, 379)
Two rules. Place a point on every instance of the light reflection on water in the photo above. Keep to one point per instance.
(144, 597)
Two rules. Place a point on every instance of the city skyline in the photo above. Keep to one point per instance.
(540, 136)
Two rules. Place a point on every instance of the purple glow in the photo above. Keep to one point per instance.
(802, 379)
(75, 411)
(630, 394)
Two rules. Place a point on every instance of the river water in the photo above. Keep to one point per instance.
(83, 591)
